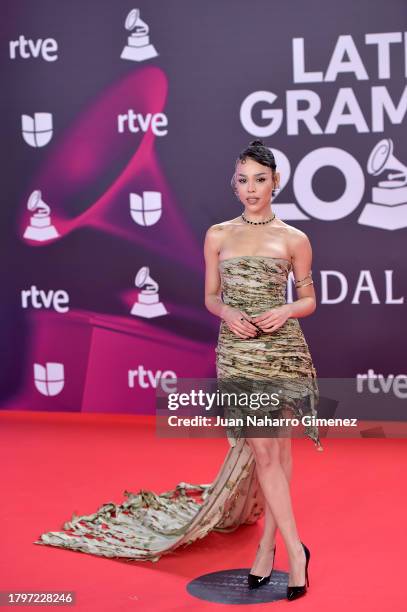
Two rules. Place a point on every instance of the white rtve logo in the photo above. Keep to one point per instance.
(26, 48)
(378, 383)
(49, 380)
(37, 130)
(38, 298)
(147, 379)
(137, 122)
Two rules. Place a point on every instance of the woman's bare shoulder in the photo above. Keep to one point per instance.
(227, 223)
(293, 233)
(223, 226)
(297, 240)
(217, 234)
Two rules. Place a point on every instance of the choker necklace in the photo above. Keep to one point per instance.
(257, 222)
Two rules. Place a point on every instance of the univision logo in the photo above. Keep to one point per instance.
(146, 209)
(37, 130)
(49, 379)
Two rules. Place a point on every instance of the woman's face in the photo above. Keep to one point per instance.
(254, 184)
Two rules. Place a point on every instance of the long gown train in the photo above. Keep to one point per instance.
(148, 525)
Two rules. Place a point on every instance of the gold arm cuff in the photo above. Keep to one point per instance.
(306, 285)
(305, 277)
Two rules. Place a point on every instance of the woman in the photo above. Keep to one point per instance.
(249, 259)
(254, 476)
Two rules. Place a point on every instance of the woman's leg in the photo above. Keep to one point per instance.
(264, 553)
(270, 525)
(275, 486)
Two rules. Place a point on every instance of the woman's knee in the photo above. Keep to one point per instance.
(266, 451)
(275, 450)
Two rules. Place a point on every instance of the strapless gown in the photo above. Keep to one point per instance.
(147, 525)
(255, 284)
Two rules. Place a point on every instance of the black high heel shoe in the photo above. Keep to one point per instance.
(254, 582)
(293, 592)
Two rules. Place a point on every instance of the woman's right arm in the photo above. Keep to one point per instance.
(213, 291)
(213, 299)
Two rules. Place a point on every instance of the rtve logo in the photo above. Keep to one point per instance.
(38, 298)
(147, 379)
(378, 383)
(25, 48)
(49, 379)
(137, 122)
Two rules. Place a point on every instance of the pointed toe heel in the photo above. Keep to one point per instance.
(294, 592)
(254, 582)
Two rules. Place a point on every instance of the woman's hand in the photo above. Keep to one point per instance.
(272, 319)
(239, 322)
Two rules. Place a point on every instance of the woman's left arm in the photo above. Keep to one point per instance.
(301, 255)
(302, 262)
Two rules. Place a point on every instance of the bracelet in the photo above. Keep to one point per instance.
(297, 283)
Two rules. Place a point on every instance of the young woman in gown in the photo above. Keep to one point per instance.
(248, 260)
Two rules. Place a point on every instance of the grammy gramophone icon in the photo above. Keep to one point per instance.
(389, 207)
(138, 46)
(40, 227)
(148, 304)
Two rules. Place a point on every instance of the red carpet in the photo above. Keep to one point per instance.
(350, 503)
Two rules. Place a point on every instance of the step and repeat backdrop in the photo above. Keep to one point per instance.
(121, 126)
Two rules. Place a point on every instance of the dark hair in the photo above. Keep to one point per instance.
(258, 151)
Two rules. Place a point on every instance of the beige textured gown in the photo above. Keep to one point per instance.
(147, 525)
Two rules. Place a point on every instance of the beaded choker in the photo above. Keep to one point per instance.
(258, 222)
